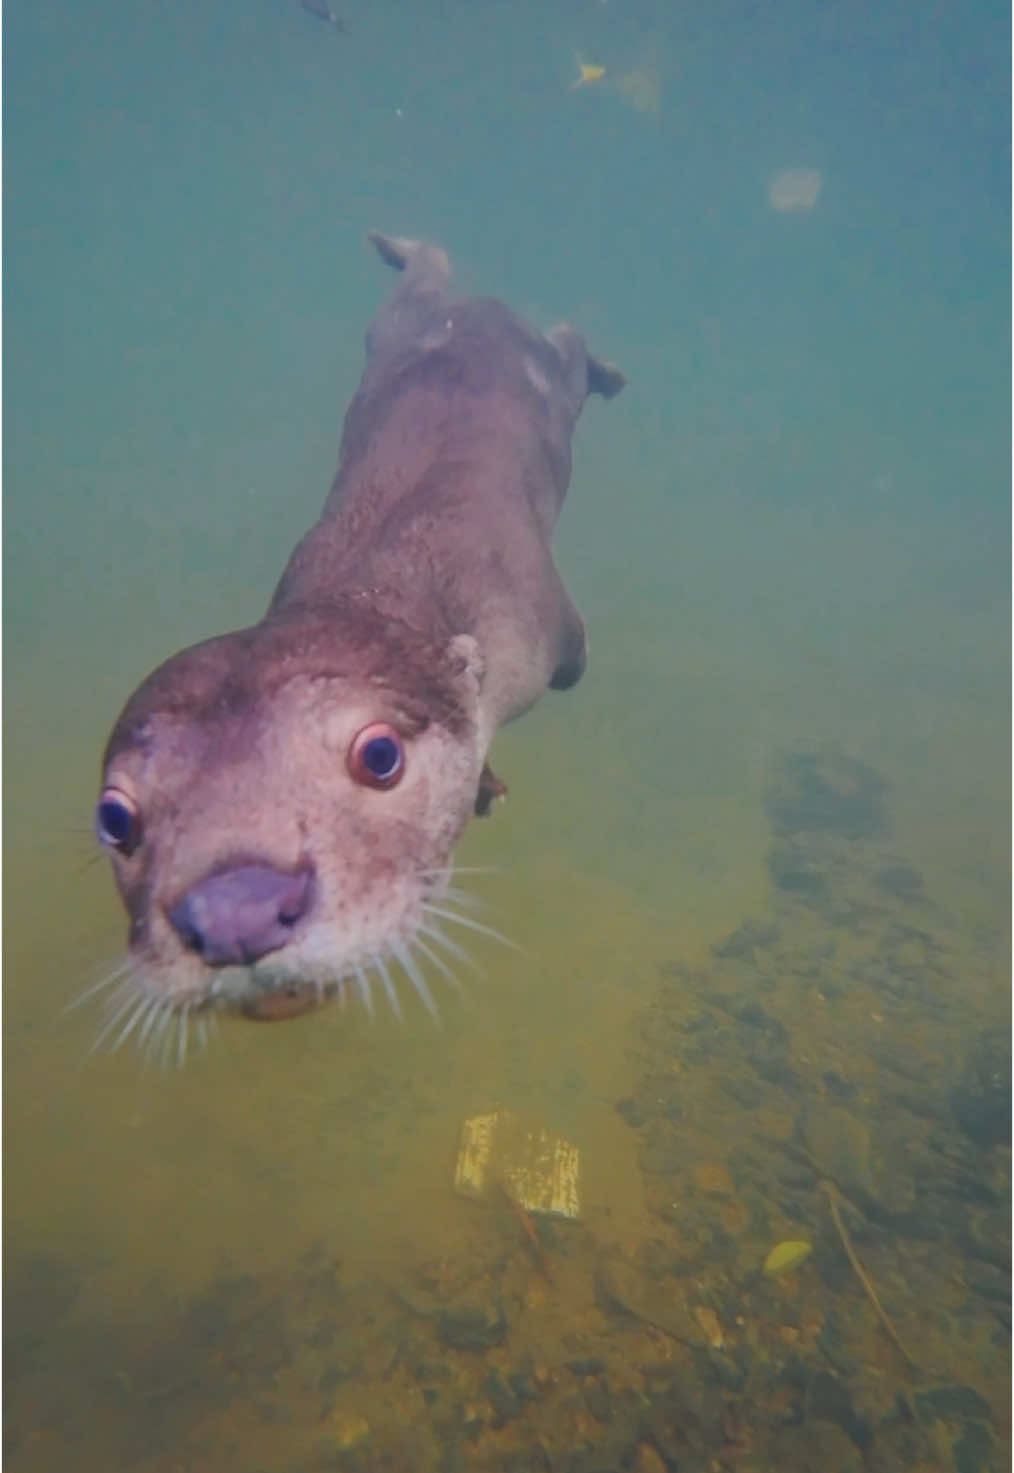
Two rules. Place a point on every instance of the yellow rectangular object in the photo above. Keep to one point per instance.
(538, 1170)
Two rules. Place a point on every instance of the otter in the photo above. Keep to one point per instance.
(280, 803)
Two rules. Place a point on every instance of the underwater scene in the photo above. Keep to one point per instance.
(681, 1143)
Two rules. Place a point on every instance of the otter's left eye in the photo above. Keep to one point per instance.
(377, 757)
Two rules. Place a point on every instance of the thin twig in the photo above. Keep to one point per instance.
(833, 1200)
(528, 1229)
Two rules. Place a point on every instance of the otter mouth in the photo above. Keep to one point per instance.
(277, 1004)
(162, 1009)
(264, 995)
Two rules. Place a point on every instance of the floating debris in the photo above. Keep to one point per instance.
(324, 12)
(641, 87)
(794, 190)
(537, 1170)
(786, 1256)
(588, 73)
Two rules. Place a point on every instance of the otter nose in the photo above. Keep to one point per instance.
(242, 913)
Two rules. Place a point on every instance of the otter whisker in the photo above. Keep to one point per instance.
(182, 1035)
(124, 999)
(166, 1038)
(416, 978)
(128, 1011)
(458, 920)
(149, 1030)
(365, 990)
(448, 871)
(87, 861)
(176, 1034)
(132, 1022)
(450, 945)
(453, 868)
(155, 1028)
(154, 1008)
(115, 975)
(465, 897)
(389, 987)
(439, 963)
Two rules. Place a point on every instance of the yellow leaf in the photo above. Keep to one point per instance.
(786, 1256)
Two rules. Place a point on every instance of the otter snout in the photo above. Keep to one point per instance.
(238, 915)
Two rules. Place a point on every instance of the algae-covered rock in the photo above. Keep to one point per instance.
(973, 1450)
(813, 1447)
(477, 1325)
(952, 1403)
(840, 1144)
(825, 792)
(622, 1289)
(981, 1099)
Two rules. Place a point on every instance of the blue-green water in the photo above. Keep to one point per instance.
(792, 527)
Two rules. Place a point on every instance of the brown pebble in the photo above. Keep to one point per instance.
(648, 1460)
(714, 1179)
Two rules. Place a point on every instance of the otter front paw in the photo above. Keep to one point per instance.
(490, 788)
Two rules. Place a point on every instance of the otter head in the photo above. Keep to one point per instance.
(279, 814)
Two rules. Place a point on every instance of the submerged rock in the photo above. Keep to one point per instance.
(840, 1144)
(477, 1325)
(814, 1447)
(797, 872)
(981, 1099)
(973, 1451)
(828, 793)
(952, 1403)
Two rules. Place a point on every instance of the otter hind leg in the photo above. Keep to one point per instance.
(583, 372)
(419, 259)
(415, 316)
(604, 378)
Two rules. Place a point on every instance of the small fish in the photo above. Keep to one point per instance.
(588, 73)
(323, 11)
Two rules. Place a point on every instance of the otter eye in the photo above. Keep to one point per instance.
(117, 821)
(376, 757)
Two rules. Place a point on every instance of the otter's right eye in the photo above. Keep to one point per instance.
(376, 758)
(117, 821)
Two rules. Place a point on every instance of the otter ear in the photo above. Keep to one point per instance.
(466, 660)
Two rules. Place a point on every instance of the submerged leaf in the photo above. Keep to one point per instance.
(786, 1256)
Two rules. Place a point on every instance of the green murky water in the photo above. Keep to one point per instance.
(788, 537)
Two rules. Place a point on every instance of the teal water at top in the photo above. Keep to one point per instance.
(792, 527)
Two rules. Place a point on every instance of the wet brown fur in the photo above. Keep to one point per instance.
(425, 596)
